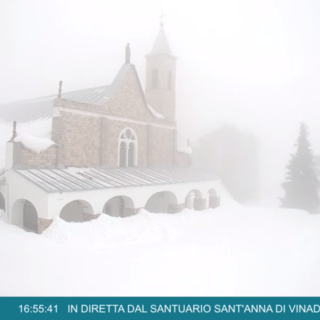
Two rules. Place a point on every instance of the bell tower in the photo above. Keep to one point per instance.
(161, 77)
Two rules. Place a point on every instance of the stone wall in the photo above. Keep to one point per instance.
(126, 100)
(90, 140)
(110, 147)
(24, 157)
(162, 98)
(182, 159)
(79, 143)
(86, 137)
(161, 146)
(43, 224)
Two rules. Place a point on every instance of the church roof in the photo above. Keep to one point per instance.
(41, 108)
(161, 45)
(83, 179)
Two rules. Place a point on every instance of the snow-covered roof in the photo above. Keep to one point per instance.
(41, 108)
(186, 150)
(161, 45)
(34, 117)
(33, 143)
(36, 136)
(82, 179)
(155, 113)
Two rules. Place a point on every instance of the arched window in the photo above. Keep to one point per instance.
(169, 80)
(131, 155)
(123, 154)
(128, 148)
(154, 78)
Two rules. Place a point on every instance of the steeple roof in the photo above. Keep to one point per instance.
(161, 45)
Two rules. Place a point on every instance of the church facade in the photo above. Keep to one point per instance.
(114, 150)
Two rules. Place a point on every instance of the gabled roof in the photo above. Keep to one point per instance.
(121, 77)
(83, 179)
(28, 110)
(41, 108)
(161, 45)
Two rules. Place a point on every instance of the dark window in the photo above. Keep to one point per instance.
(131, 155)
(123, 154)
(127, 148)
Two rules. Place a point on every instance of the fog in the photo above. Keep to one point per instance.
(254, 64)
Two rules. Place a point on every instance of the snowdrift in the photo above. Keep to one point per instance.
(233, 250)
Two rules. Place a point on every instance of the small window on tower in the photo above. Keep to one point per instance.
(154, 78)
(169, 80)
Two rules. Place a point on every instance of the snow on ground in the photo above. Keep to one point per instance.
(232, 250)
(110, 231)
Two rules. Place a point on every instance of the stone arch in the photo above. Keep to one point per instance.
(2, 202)
(191, 199)
(162, 202)
(77, 211)
(214, 199)
(25, 215)
(119, 206)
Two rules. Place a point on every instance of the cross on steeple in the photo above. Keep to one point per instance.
(161, 19)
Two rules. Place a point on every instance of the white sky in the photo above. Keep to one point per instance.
(255, 63)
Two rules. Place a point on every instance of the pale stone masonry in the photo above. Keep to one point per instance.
(88, 134)
(23, 157)
(115, 152)
(161, 77)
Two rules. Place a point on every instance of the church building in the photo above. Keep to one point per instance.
(105, 150)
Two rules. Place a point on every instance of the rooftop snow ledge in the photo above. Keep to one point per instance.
(156, 114)
(34, 144)
(186, 150)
